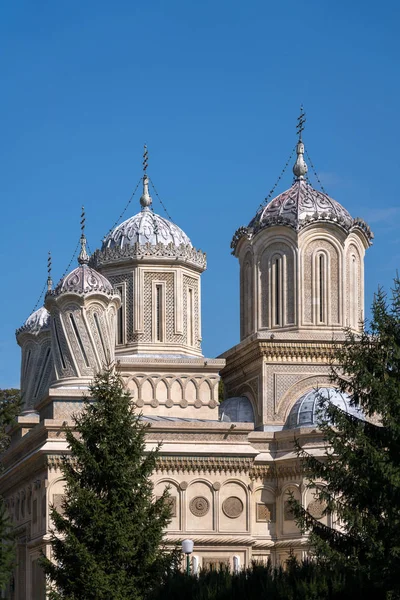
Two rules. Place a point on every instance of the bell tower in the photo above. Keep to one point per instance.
(301, 264)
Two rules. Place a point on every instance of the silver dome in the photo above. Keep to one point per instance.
(238, 409)
(307, 410)
(300, 205)
(146, 228)
(83, 280)
(36, 322)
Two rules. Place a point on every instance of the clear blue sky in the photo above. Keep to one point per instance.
(214, 89)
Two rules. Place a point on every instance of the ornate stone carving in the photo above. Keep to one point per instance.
(57, 503)
(232, 507)
(171, 502)
(216, 485)
(185, 253)
(287, 511)
(199, 506)
(183, 485)
(265, 512)
(316, 508)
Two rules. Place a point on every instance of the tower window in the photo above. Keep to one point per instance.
(159, 313)
(190, 316)
(120, 317)
(277, 296)
(321, 286)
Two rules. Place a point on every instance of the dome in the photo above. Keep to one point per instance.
(146, 228)
(238, 409)
(299, 205)
(36, 322)
(84, 280)
(307, 411)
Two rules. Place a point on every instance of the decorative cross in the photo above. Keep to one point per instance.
(145, 159)
(300, 122)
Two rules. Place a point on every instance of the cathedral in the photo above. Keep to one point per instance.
(136, 303)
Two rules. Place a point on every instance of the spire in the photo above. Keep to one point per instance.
(83, 257)
(300, 167)
(145, 199)
(49, 279)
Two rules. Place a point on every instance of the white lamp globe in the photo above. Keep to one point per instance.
(187, 546)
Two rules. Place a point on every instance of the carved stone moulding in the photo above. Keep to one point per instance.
(199, 506)
(232, 507)
(265, 512)
(316, 508)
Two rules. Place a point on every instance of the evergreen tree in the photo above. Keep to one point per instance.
(10, 405)
(108, 541)
(361, 463)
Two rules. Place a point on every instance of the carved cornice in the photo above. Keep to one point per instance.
(183, 253)
(315, 352)
(213, 464)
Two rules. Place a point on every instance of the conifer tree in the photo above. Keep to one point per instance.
(10, 405)
(107, 543)
(361, 464)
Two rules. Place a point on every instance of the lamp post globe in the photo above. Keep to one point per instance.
(187, 548)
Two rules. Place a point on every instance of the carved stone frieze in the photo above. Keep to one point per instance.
(232, 507)
(185, 253)
(199, 506)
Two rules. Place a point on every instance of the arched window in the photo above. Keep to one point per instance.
(321, 285)
(354, 292)
(120, 315)
(277, 291)
(190, 316)
(321, 288)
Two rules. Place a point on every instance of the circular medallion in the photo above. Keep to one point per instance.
(316, 508)
(169, 403)
(232, 507)
(183, 485)
(197, 403)
(199, 506)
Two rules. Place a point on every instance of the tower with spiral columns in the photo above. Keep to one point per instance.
(83, 314)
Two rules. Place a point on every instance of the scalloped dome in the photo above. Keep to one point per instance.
(36, 322)
(307, 412)
(300, 205)
(146, 228)
(83, 280)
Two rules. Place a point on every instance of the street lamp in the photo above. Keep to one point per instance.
(187, 548)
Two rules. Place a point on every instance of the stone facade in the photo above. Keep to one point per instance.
(137, 305)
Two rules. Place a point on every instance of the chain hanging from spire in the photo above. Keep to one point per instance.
(83, 257)
(300, 167)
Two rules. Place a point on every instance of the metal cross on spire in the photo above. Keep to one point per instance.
(301, 119)
(145, 199)
(83, 257)
(49, 279)
(300, 167)
(145, 159)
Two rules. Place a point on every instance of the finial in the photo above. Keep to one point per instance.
(300, 167)
(145, 199)
(49, 279)
(83, 257)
